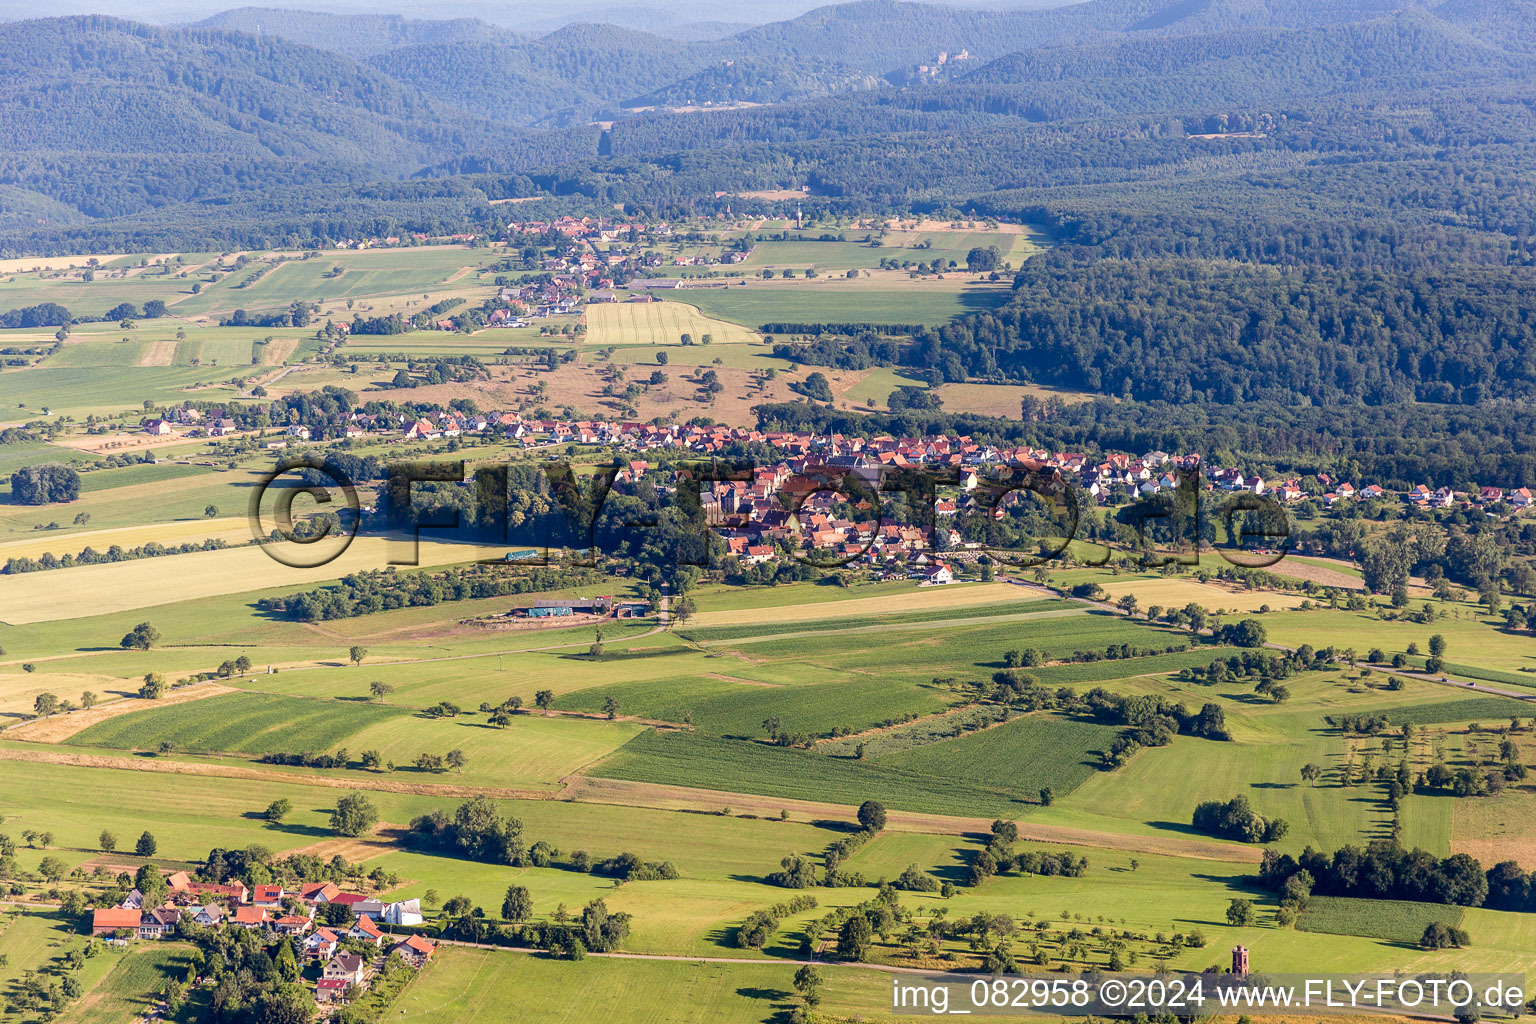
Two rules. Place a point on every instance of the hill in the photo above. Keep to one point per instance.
(577, 70)
(112, 118)
(357, 35)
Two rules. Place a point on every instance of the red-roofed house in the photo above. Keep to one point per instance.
(321, 944)
(319, 892)
(292, 924)
(331, 990)
(109, 920)
(267, 896)
(415, 949)
(249, 917)
(365, 930)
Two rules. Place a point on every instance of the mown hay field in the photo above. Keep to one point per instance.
(119, 586)
(659, 323)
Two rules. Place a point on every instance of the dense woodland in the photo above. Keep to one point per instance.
(1266, 215)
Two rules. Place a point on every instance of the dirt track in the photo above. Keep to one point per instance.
(641, 794)
(58, 728)
(163, 766)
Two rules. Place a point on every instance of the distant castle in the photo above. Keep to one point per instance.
(1240, 960)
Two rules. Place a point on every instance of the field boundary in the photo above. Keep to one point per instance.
(585, 789)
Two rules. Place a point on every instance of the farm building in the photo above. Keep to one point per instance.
(109, 920)
(554, 607)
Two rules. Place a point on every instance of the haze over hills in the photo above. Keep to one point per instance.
(134, 128)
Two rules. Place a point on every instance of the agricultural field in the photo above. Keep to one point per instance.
(893, 301)
(659, 323)
(717, 740)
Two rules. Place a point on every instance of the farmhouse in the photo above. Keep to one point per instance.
(114, 919)
(158, 923)
(415, 950)
(403, 913)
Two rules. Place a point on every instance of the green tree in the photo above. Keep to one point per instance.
(151, 885)
(141, 637)
(378, 689)
(611, 706)
(52, 869)
(872, 815)
(854, 940)
(278, 809)
(356, 654)
(107, 840)
(808, 982)
(518, 905)
(154, 686)
(456, 759)
(1240, 913)
(1437, 645)
(544, 699)
(45, 705)
(146, 846)
(354, 815)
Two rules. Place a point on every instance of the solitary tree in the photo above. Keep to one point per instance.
(141, 637)
(872, 815)
(45, 705)
(146, 846)
(518, 905)
(354, 815)
(808, 983)
(107, 840)
(277, 810)
(611, 706)
(356, 654)
(544, 699)
(154, 686)
(456, 759)
(1240, 913)
(88, 700)
(378, 689)
(1311, 772)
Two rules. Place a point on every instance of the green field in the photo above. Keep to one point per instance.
(754, 305)
(248, 723)
(997, 772)
(134, 983)
(1394, 920)
(478, 986)
(100, 390)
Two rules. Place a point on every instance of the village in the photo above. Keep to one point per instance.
(336, 931)
(763, 519)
